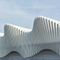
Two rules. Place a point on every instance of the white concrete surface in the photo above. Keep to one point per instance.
(43, 55)
(44, 35)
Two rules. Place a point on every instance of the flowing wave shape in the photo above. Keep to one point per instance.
(44, 35)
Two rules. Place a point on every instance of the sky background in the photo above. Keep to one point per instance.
(23, 12)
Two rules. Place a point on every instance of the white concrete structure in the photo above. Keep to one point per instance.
(44, 35)
(42, 55)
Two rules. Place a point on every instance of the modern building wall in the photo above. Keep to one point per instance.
(43, 55)
(28, 43)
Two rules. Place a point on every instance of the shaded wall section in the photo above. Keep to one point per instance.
(43, 55)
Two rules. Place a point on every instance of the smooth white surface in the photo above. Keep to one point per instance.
(44, 35)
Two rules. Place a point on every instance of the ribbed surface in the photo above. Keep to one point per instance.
(44, 35)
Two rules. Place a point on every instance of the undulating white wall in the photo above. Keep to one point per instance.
(44, 35)
(43, 55)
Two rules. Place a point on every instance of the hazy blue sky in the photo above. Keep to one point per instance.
(23, 12)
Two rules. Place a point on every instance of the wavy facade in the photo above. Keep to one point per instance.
(44, 35)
